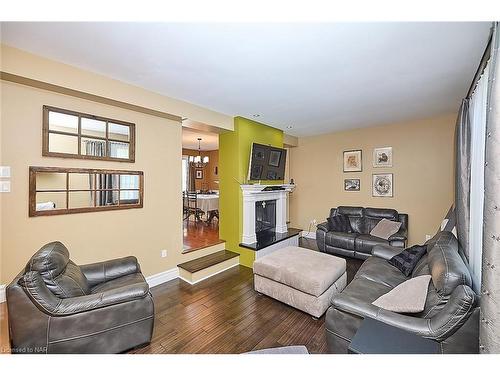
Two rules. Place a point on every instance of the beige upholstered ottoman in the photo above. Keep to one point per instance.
(302, 278)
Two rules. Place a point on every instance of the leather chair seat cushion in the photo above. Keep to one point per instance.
(135, 278)
(380, 271)
(341, 239)
(365, 242)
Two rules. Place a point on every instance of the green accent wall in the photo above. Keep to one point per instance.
(234, 156)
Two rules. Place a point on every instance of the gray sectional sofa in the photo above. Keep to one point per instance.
(359, 243)
(451, 314)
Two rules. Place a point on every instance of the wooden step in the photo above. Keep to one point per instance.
(202, 268)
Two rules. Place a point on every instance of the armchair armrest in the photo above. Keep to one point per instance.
(98, 273)
(46, 301)
(442, 325)
(385, 251)
(322, 226)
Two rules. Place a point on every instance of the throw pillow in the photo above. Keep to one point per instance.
(385, 228)
(406, 260)
(407, 297)
(339, 223)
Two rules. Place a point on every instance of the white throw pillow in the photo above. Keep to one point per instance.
(407, 297)
(385, 228)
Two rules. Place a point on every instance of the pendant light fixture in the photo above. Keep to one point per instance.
(198, 160)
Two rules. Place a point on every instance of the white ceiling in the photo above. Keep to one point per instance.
(209, 141)
(316, 78)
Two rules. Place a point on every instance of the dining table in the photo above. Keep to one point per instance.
(209, 204)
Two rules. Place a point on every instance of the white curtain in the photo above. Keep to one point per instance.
(478, 106)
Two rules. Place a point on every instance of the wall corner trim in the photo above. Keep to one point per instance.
(2, 293)
(162, 277)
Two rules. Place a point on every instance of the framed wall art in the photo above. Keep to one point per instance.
(353, 161)
(382, 185)
(382, 157)
(352, 184)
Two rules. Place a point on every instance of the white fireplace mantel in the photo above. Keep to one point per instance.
(255, 193)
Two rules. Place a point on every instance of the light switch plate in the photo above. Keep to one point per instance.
(4, 186)
(4, 172)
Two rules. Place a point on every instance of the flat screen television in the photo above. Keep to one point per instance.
(266, 163)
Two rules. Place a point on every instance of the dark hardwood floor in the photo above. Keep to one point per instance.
(197, 235)
(223, 314)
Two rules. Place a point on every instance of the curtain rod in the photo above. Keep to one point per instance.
(482, 64)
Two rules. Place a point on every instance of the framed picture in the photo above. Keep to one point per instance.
(274, 158)
(382, 157)
(352, 184)
(199, 174)
(382, 185)
(352, 161)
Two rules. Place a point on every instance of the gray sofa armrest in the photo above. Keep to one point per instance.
(98, 273)
(385, 251)
(442, 325)
(47, 302)
(323, 226)
(400, 235)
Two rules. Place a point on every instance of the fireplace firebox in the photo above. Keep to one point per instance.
(265, 216)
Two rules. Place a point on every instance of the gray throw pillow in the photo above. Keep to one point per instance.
(407, 297)
(385, 228)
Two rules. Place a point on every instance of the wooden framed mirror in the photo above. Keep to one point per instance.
(59, 191)
(70, 134)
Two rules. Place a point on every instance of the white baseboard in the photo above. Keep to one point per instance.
(311, 235)
(162, 277)
(2, 293)
(206, 277)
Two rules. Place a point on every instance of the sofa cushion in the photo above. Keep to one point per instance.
(365, 242)
(380, 271)
(385, 229)
(134, 278)
(406, 260)
(358, 295)
(446, 266)
(407, 297)
(339, 223)
(341, 239)
(306, 270)
(61, 276)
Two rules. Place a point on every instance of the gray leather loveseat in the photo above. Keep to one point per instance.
(451, 313)
(359, 243)
(56, 306)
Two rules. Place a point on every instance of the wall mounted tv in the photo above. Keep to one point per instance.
(266, 163)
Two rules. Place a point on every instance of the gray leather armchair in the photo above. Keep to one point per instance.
(56, 306)
(451, 313)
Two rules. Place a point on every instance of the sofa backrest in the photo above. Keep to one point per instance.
(355, 215)
(61, 276)
(447, 269)
(374, 215)
(363, 220)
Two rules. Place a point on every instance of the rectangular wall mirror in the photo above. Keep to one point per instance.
(57, 191)
(78, 135)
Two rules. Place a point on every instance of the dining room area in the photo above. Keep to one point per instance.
(200, 189)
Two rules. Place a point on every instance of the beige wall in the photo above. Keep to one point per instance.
(21, 63)
(90, 237)
(422, 169)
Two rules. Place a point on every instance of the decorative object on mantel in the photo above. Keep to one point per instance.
(198, 161)
(353, 161)
(352, 184)
(382, 157)
(382, 185)
(199, 174)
